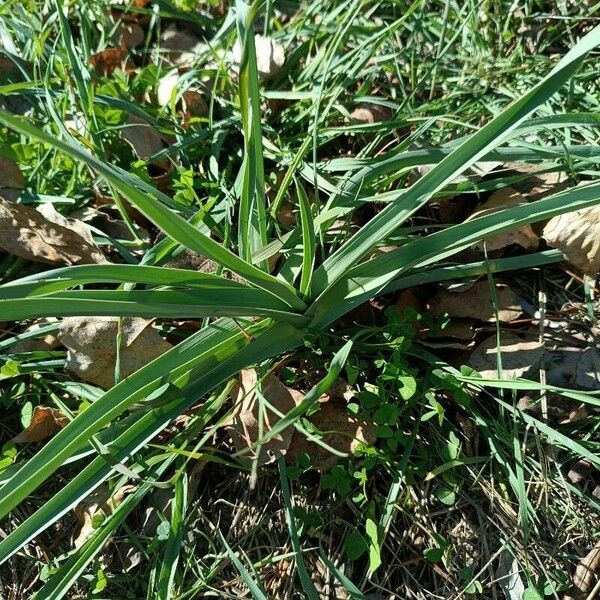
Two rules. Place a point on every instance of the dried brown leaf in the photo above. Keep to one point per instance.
(371, 113)
(286, 215)
(580, 471)
(47, 342)
(45, 422)
(98, 504)
(178, 39)
(244, 423)
(131, 35)
(577, 236)
(519, 355)
(586, 570)
(522, 236)
(409, 299)
(574, 367)
(537, 184)
(341, 430)
(146, 141)
(194, 104)
(458, 334)
(476, 303)
(27, 233)
(91, 345)
(12, 181)
(142, 137)
(110, 59)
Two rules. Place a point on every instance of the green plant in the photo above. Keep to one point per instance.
(317, 284)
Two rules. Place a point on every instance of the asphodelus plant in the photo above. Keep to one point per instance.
(268, 314)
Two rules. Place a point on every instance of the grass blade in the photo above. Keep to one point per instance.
(478, 145)
(150, 202)
(207, 302)
(307, 585)
(168, 567)
(252, 232)
(308, 240)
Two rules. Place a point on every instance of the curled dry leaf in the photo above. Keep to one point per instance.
(12, 181)
(98, 504)
(92, 352)
(270, 56)
(574, 367)
(341, 431)
(522, 236)
(142, 137)
(146, 142)
(177, 40)
(476, 303)
(371, 113)
(45, 422)
(519, 356)
(27, 233)
(537, 184)
(101, 219)
(243, 425)
(580, 471)
(46, 342)
(111, 59)
(577, 236)
(585, 573)
(131, 35)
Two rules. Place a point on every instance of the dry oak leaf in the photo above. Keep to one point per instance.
(110, 59)
(12, 181)
(577, 236)
(583, 580)
(99, 503)
(370, 113)
(142, 137)
(522, 236)
(47, 342)
(519, 356)
(146, 141)
(76, 225)
(45, 422)
(178, 39)
(341, 430)
(27, 233)
(243, 426)
(538, 183)
(92, 352)
(476, 303)
(131, 35)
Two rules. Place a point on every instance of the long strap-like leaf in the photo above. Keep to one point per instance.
(151, 203)
(481, 143)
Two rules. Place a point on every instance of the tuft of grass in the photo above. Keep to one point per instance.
(458, 476)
